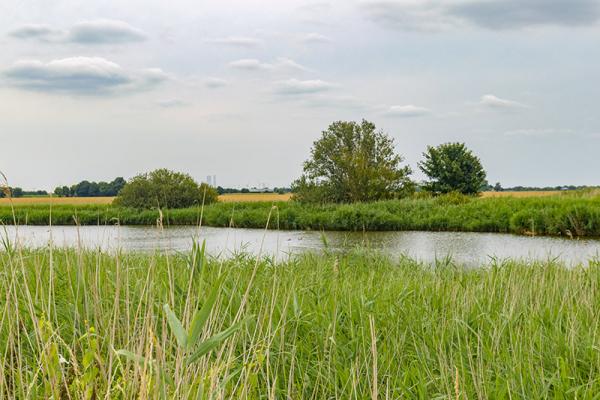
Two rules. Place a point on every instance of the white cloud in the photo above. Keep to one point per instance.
(237, 41)
(249, 64)
(406, 111)
(215, 83)
(81, 75)
(298, 87)
(252, 64)
(494, 102)
(99, 31)
(316, 38)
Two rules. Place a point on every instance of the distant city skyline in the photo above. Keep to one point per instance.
(241, 89)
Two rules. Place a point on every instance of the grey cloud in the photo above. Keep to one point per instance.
(295, 87)
(105, 31)
(35, 31)
(507, 14)
(435, 15)
(80, 75)
(101, 31)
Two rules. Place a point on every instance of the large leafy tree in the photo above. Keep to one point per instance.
(164, 189)
(352, 162)
(452, 167)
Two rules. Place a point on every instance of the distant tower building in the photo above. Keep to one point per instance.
(208, 180)
(214, 180)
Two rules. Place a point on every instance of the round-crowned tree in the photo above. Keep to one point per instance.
(352, 162)
(452, 167)
(164, 189)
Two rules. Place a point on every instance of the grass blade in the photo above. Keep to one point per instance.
(200, 317)
(176, 327)
(214, 341)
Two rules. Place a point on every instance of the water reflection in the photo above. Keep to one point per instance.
(465, 248)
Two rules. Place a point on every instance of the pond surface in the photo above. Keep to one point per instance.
(464, 248)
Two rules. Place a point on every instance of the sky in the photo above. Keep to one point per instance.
(241, 89)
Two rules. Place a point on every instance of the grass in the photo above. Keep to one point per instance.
(253, 197)
(574, 215)
(533, 193)
(86, 324)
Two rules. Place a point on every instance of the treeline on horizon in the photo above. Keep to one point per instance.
(92, 189)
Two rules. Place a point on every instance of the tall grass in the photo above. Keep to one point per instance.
(573, 215)
(319, 326)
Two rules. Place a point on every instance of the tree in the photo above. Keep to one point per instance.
(498, 187)
(352, 162)
(164, 189)
(451, 167)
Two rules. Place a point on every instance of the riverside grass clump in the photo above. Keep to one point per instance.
(87, 324)
(572, 215)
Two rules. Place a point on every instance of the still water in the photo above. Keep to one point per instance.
(464, 248)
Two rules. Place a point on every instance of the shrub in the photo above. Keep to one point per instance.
(165, 189)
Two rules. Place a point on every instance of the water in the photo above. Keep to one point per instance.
(464, 248)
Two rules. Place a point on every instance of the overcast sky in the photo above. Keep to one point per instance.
(240, 89)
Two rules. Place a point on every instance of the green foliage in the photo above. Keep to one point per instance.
(572, 214)
(352, 162)
(91, 189)
(451, 167)
(324, 326)
(164, 189)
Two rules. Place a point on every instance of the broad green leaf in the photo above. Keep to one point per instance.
(176, 327)
(132, 357)
(200, 317)
(214, 341)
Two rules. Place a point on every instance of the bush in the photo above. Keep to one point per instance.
(165, 189)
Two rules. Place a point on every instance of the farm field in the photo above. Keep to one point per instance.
(229, 198)
(319, 326)
(19, 201)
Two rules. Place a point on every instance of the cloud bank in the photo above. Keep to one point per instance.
(99, 31)
(435, 15)
(80, 75)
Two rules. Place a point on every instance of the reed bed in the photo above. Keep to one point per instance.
(78, 324)
(568, 215)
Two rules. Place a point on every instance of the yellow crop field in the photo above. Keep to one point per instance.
(249, 197)
(57, 200)
(522, 194)
(232, 197)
